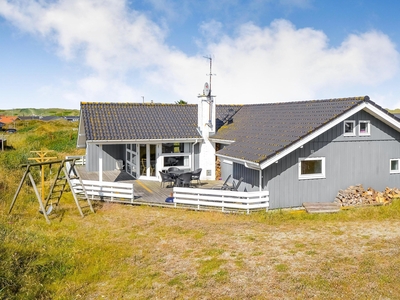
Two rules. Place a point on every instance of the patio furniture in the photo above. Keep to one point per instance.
(144, 168)
(174, 173)
(165, 178)
(172, 169)
(196, 175)
(184, 179)
(236, 185)
(225, 185)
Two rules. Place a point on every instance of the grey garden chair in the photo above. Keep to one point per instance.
(196, 175)
(236, 185)
(166, 178)
(225, 185)
(184, 179)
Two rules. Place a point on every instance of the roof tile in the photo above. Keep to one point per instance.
(262, 130)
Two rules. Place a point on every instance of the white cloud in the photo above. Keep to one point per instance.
(128, 57)
(211, 31)
(282, 63)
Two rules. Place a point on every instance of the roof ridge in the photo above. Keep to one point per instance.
(136, 103)
(357, 98)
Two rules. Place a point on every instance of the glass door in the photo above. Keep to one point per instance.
(131, 159)
(148, 161)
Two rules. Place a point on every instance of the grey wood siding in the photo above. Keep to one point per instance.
(111, 153)
(349, 161)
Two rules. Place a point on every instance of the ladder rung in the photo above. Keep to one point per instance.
(55, 190)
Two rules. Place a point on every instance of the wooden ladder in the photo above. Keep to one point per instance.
(58, 186)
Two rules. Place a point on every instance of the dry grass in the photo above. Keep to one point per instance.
(136, 252)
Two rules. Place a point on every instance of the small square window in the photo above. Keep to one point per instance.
(364, 128)
(312, 168)
(395, 165)
(349, 128)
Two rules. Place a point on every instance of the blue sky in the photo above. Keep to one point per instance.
(58, 53)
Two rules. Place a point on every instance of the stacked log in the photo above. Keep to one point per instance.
(358, 196)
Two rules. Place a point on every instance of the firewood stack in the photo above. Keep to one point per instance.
(358, 196)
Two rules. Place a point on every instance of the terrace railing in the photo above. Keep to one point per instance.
(203, 199)
(107, 191)
(80, 159)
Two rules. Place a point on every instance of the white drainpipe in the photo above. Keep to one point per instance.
(193, 152)
(101, 163)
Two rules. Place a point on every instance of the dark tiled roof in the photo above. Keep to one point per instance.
(224, 113)
(137, 121)
(262, 130)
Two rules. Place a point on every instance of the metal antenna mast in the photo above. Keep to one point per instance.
(211, 74)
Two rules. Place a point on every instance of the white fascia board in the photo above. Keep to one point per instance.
(145, 141)
(247, 163)
(221, 141)
(382, 116)
(315, 134)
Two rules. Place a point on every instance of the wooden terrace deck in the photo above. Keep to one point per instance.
(146, 191)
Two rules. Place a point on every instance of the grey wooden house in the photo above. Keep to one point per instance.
(301, 151)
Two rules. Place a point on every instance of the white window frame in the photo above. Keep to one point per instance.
(353, 133)
(316, 175)
(398, 165)
(368, 123)
(187, 156)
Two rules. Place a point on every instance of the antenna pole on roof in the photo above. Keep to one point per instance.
(211, 74)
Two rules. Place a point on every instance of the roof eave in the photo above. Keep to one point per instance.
(142, 141)
(248, 164)
(221, 141)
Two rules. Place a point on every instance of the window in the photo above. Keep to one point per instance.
(176, 154)
(364, 128)
(175, 148)
(312, 168)
(395, 165)
(349, 128)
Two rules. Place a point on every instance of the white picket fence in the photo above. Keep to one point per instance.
(108, 191)
(221, 199)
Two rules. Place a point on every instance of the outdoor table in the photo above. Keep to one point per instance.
(175, 174)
